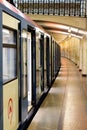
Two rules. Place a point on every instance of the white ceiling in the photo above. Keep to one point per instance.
(60, 27)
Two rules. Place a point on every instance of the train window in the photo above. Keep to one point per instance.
(9, 55)
(9, 37)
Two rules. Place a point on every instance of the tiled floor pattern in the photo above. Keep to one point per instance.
(65, 107)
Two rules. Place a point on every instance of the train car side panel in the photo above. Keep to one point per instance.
(10, 75)
(10, 21)
(10, 105)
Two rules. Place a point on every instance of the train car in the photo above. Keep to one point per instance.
(26, 66)
(17, 66)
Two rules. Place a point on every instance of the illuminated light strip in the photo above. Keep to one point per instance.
(74, 35)
(82, 32)
(55, 25)
(61, 32)
(74, 29)
(78, 35)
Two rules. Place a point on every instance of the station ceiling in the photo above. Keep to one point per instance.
(60, 26)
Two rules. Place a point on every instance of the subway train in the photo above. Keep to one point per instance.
(29, 64)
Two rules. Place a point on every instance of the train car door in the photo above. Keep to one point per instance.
(26, 73)
(39, 65)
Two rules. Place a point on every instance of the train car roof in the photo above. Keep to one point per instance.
(18, 12)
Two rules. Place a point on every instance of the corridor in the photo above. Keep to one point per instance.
(65, 107)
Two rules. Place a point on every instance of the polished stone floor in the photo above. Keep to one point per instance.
(65, 107)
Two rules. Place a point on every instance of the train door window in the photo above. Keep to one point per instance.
(41, 64)
(50, 53)
(9, 55)
(26, 65)
(47, 61)
(45, 69)
(24, 62)
(29, 69)
(52, 59)
(38, 67)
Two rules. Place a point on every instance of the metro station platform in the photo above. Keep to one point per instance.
(65, 107)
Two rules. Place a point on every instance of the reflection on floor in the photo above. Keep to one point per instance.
(65, 107)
